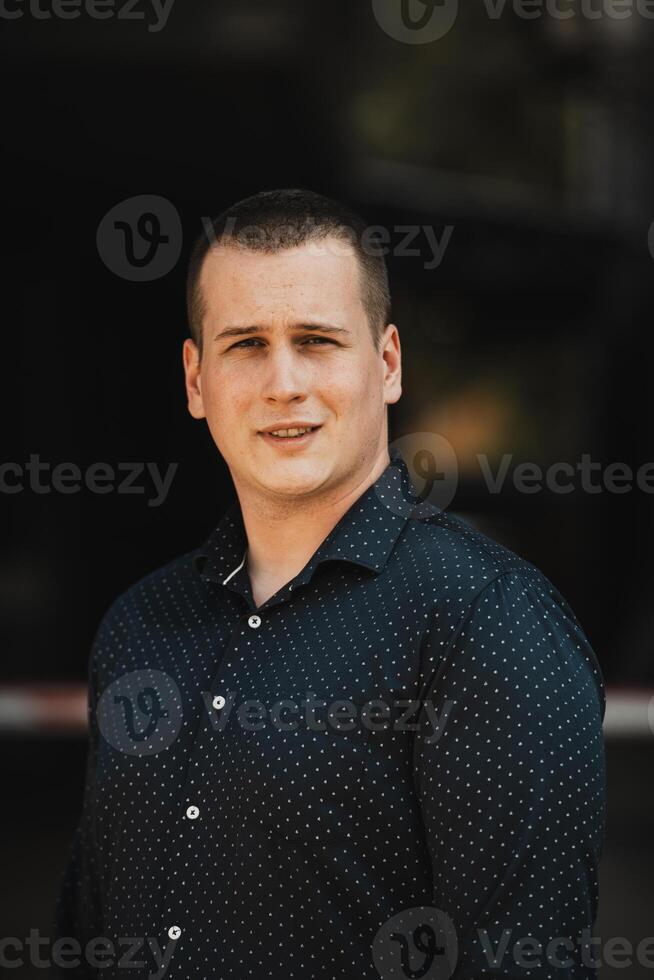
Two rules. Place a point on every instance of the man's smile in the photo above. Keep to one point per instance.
(292, 437)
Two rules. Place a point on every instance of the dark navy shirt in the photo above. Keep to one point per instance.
(393, 767)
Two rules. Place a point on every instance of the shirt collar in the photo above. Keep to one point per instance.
(365, 535)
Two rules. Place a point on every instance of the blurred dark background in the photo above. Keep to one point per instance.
(530, 139)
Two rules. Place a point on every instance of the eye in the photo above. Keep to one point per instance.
(241, 343)
(308, 340)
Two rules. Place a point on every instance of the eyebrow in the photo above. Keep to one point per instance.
(244, 331)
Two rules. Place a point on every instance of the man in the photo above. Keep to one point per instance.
(348, 737)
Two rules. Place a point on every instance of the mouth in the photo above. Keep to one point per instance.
(291, 437)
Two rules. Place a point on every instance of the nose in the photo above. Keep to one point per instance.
(285, 376)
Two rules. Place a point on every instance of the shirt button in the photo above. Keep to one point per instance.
(254, 622)
(174, 932)
(192, 812)
(219, 701)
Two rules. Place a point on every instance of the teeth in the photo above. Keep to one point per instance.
(285, 433)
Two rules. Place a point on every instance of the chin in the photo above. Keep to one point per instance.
(291, 481)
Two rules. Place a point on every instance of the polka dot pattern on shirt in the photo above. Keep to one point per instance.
(304, 840)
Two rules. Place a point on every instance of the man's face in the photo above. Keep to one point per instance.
(286, 340)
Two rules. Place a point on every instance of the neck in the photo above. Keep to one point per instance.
(283, 535)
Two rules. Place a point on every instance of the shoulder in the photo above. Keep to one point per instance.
(494, 611)
(151, 599)
(178, 573)
(457, 561)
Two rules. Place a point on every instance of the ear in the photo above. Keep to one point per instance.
(191, 357)
(392, 356)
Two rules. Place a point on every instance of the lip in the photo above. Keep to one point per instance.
(290, 425)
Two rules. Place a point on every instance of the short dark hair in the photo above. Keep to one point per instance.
(275, 220)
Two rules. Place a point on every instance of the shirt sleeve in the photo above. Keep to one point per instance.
(78, 914)
(510, 774)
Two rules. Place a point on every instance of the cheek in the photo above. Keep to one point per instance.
(224, 392)
(347, 383)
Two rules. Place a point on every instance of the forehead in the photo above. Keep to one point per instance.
(320, 277)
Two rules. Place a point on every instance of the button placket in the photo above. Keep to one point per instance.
(172, 897)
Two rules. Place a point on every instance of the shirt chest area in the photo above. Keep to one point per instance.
(272, 716)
